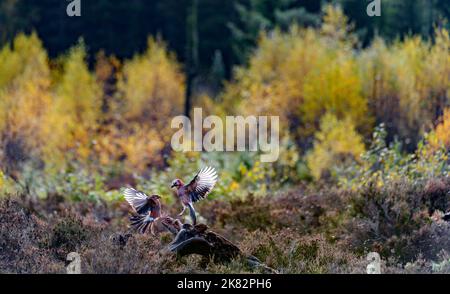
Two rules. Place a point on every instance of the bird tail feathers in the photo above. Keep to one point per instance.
(140, 223)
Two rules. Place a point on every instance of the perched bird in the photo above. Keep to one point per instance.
(147, 210)
(196, 190)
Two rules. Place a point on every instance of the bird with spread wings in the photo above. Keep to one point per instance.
(146, 211)
(196, 190)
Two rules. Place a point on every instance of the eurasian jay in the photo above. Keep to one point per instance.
(196, 190)
(147, 210)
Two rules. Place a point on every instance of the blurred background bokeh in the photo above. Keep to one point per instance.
(99, 91)
(86, 104)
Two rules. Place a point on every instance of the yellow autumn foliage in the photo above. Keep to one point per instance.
(151, 88)
(301, 75)
(24, 94)
(304, 73)
(119, 115)
(407, 82)
(72, 120)
(441, 134)
(336, 142)
(58, 115)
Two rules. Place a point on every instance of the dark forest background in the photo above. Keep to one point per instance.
(225, 33)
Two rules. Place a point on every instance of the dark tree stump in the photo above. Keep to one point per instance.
(212, 246)
(198, 240)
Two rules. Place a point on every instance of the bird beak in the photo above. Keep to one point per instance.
(172, 186)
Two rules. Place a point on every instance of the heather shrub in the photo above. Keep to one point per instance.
(306, 211)
(67, 235)
(395, 219)
(244, 213)
(23, 241)
(289, 252)
(140, 256)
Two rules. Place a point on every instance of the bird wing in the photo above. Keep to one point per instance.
(138, 200)
(202, 184)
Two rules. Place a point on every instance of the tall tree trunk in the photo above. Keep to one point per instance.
(191, 53)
